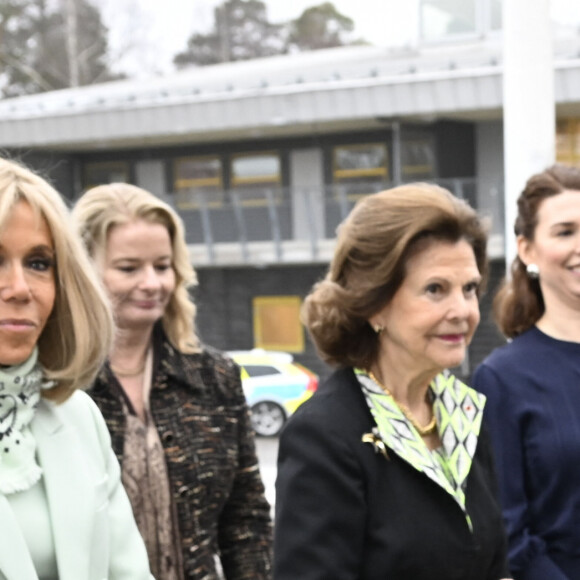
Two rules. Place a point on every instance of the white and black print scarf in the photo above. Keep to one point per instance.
(20, 387)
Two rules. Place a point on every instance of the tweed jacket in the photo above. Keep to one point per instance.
(204, 426)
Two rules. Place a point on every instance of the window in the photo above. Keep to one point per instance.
(255, 177)
(568, 141)
(442, 20)
(360, 169)
(277, 323)
(101, 173)
(495, 15)
(417, 158)
(198, 180)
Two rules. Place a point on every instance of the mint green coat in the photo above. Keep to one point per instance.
(94, 531)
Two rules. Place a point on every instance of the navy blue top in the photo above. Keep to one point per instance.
(533, 413)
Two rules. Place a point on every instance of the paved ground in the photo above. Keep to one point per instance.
(267, 449)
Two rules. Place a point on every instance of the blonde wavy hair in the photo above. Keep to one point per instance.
(69, 349)
(374, 244)
(104, 207)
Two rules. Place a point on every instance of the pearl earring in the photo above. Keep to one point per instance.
(533, 271)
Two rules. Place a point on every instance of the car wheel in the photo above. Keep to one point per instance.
(268, 418)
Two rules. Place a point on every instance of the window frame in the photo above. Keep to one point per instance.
(341, 177)
(240, 182)
(412, 172)
(571, 134)
(123, 166)
(186, 185)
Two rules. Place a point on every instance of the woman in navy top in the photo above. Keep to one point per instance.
(532, 383)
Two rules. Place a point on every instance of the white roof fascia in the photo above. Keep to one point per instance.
(428, 93)
(25, 122)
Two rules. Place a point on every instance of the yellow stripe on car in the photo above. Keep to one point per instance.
(292, 405)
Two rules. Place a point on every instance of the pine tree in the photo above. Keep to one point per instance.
(319, 27)
(44, 46)
(241, 32)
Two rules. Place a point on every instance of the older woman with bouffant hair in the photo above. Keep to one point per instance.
(60, 482)
(388, 455)
(372, 250)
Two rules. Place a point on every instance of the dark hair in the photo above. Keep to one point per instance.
(519, 303)
(373, 246)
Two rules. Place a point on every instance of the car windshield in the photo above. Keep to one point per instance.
(261, 370)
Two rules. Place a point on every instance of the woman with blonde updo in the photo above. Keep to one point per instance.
(386, 472)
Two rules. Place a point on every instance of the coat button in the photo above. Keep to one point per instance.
(167, 437)
(182, 491)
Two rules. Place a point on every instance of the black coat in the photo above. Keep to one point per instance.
(344, 512)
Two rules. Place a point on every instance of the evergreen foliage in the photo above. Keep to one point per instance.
(46, 46)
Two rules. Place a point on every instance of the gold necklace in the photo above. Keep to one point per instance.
(423, 431)
(128, 373)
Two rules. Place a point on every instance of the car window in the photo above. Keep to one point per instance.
(261, 370)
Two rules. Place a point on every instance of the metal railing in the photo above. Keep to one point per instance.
(280, 215)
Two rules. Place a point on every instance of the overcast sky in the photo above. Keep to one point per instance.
(147, 33)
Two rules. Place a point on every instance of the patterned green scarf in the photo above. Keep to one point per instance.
(458, 410)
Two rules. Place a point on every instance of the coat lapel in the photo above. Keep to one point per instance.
(70, 504)
(15, 560)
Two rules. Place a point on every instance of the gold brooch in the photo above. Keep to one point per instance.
(377, 443)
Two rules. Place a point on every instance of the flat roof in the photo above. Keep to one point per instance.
(281, 95)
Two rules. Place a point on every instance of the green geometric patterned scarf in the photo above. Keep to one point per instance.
(458, 410)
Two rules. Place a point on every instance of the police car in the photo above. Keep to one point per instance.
(275, 386)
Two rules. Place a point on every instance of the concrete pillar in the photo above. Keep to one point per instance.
(528, 101)
(308, 193)
(397, 163)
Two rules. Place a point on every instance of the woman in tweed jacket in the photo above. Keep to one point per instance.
(175, 409)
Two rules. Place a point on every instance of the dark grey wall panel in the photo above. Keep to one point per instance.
(224, 298)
